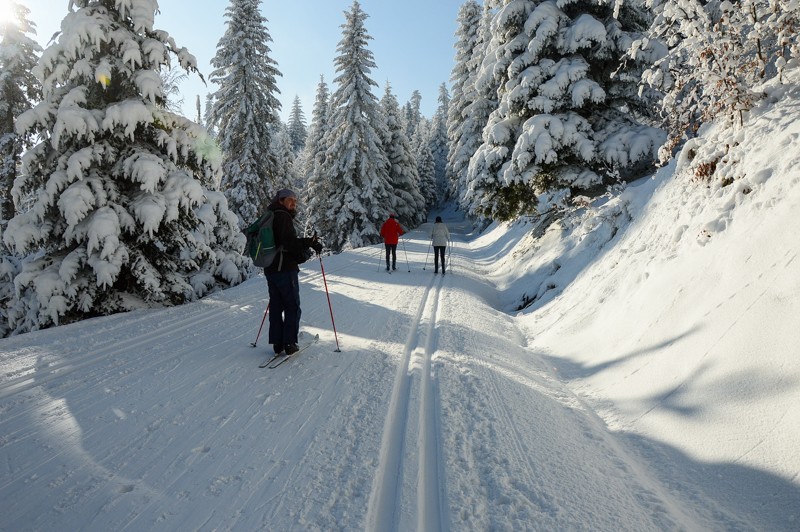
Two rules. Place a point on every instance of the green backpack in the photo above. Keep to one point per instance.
(261, 241)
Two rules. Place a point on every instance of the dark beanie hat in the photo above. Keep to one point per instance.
(391, 215)
(285, 193)
(438, 219)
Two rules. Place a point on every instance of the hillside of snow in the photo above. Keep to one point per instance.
(672, 309)
(632, 367)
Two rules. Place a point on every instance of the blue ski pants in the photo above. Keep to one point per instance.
(284, 307)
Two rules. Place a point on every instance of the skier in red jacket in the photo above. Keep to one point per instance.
(391, 231)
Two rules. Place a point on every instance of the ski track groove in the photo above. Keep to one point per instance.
(384, 511)
(429, 494)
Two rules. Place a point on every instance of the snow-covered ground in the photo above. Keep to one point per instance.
(635, 368)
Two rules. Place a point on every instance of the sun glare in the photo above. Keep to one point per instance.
(7, 12)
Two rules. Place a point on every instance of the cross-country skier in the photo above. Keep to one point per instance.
(440, 236)
(282, 279)
(391, 231)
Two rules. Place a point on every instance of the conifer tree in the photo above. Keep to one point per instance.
(355, 161)
(459, 121)
(563, 125)
(438, 142)
(472, 182)
(123, 213)
(19, 89)
(318, 185)
(718, 53)
(407, 201)
(297, 126)
(413, 113)
(426, 168)
(245, 110)
(207, 115)
(281, 151)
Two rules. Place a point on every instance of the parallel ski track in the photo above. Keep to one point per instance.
(383, 513)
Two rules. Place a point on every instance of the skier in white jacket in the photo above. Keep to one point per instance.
(440, 237)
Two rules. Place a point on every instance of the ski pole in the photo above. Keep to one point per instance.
(261, 326)
(449, 253)
(380, 258)
(426, 254)
(406, 253)
(325, 282)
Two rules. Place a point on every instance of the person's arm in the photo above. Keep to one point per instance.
(285, 234)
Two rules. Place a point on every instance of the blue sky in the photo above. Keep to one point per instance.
(412, 41)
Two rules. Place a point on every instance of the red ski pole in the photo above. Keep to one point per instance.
(336, 336)
(262, 325)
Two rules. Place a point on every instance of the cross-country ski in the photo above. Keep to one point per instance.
(304, 342)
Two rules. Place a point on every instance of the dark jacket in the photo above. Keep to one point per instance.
(294, 249)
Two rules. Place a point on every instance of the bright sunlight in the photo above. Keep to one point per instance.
(7, 12)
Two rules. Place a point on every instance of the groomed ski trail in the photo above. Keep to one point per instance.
(434, 416)
(396, 463)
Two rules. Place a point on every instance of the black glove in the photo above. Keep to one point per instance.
(316, 246)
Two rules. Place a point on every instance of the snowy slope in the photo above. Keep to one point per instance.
(650, 383)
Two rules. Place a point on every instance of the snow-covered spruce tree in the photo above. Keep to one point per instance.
(283, 154)
(297, 126)
(318, 186)
(19, 89)
(123, 213)
(245, 110)
(355, 161)
(565, 123)
(463, 94)
(199, 108)
(207, 115)
(413, 113)
(473, 180)
(439, 143)
(407, 202)
(718, 52)
(426, 168)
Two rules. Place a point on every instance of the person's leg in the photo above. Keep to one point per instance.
(435, 259)
(394, 256)
(284, 308)
(292, 311)
(275, 311)
(441, 250)
(388, 251)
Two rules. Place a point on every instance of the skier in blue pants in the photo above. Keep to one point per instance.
(282, 279)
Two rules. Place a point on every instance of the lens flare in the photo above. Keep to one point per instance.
(8, 13)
